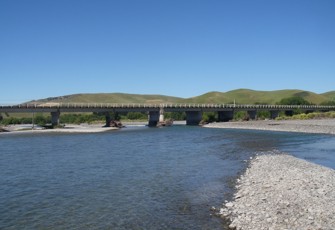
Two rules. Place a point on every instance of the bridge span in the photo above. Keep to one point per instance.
(156, 111)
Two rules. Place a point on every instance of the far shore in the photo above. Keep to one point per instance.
(72, 128)
(68, 128)
(322, 126)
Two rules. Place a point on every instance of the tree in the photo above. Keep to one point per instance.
(293, 101)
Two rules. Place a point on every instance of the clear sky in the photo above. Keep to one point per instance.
(173, 47)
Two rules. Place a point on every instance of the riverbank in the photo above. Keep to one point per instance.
(283, 192)
(71, 128)
(324, 126)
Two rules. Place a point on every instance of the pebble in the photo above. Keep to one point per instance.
(326, 126)
(279, 191)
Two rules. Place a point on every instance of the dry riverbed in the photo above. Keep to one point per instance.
(279, 191)
(325, 126)
(83, 128)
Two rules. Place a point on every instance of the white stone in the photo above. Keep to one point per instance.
(229, 204)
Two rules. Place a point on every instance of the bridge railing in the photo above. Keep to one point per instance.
(165, 105)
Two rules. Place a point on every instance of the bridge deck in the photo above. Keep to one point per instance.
(99, 107)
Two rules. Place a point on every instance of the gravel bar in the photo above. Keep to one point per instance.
(279, 191)
(325, 126)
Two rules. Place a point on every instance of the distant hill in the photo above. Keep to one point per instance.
(330, 95)
(111, 98)
(247, 96)
(240, 96)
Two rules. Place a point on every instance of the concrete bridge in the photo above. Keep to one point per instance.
(156, 111)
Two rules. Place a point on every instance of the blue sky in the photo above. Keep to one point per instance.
(173, 47)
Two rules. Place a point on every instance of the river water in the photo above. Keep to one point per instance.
(134, 178)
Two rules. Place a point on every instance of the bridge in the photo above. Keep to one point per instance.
(156, 111)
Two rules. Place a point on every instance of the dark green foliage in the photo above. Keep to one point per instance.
(11, 121)
(136, 116)
(328, 102)
(176, 116)
(115, 116)
(39, 119)
(262, 115)
(209, 116)
(241, 115)
(293, 101)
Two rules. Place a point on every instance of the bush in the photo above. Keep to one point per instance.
(209, 117)
(304, 116)
(241, 115)
(136, 116)
(293, 101)
(262, 115)
(177, 116)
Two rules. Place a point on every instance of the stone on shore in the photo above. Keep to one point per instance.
(283, 192)
(325, 126)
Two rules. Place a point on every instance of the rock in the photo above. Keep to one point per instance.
(213, 209)
(232, 226)
(229, 204)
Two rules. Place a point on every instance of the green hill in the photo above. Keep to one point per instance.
(240, 96)
(330, 95)
(247, 96)
(111, 98)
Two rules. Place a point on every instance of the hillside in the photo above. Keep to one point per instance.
(111, 98)
(330, 95)
(247, 96)
(240, 96)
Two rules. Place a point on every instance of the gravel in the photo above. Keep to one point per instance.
(279, 191)
(325, 126)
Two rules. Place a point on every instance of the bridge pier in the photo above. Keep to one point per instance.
(193, 117)
(108, 119)
(55, 118)
(252, 114)
(225, 115)
(274, 114)
(154, 117)
(161, 115)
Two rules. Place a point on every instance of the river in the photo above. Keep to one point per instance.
(134, 178)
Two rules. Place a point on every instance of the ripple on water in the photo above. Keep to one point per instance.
(136, 178)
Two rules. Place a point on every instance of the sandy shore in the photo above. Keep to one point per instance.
(326, 126)
(283, 192)
(71, 128)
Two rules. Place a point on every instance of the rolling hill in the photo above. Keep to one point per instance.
(247, 96)
(240, 96)
(330, 95)
(111, 98)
